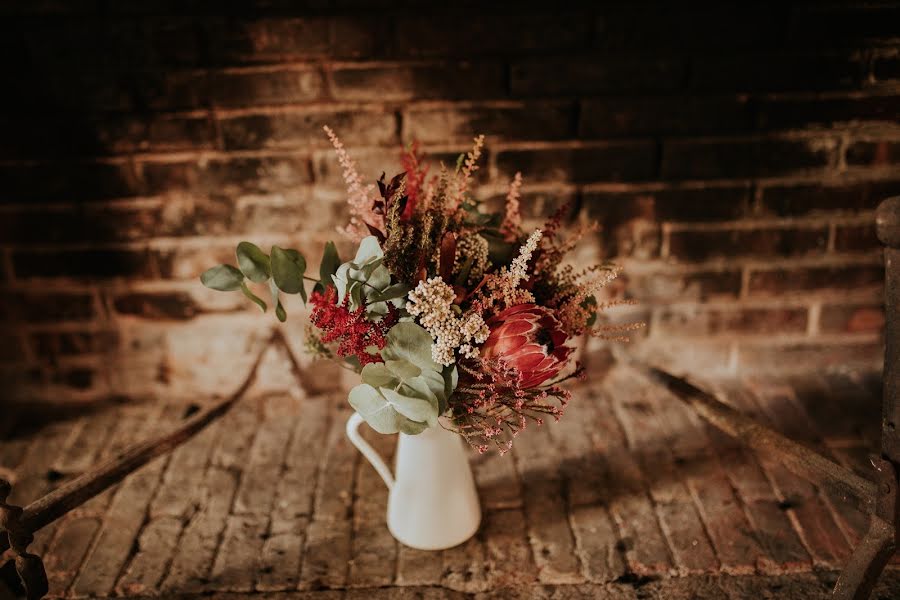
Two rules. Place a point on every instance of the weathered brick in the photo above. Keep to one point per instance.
(87, 264)
(804, 279)
(595, 75)
(304, 129)
(418, 81)
(457, 34)
(788, 113)
(625, 161)
(94, 224)
(873, 153)
(660, 115)
(776, 71)
(699, 245)
(886, 66)
(49, 346)
(270, 39)
(814, 198)
(706, 28)
(747, 157)
(240, 88)
(47, 307)
(691, 285)
(173, 305)
(852, 318)
(856, 238)
(694, 321)
(832, 25)
(797, 357)
(668, 203)
(511, 121)
(232, 175)
(67, 182)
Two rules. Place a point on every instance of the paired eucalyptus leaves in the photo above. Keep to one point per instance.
(283, 269)
(367, 281)
(409, 390)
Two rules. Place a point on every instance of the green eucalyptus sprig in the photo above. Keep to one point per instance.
(284, 269)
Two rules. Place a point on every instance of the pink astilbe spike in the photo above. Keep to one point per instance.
(359, 196)
(470, 165)
(512, 219)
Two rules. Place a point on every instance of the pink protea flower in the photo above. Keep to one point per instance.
(530, 339)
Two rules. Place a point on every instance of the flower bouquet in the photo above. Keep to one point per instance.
(459, 323)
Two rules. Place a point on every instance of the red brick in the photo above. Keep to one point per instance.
(874, 153)
(670, 203)
(67, 182)
(403, 81)
(813, 198)
(85, 264)
(856, 238)
(304, 129)
(100, 136)
(270, 86)
(886, 66)
(852, 318)
(776, 71)
(656, 115)
(701, 245)
(836, 25)
(595, 74)
(626, 161)
(530, 121)
(687, 27)
(668, 285)
(49, 345)
(270, 39)
(460, 34)
(798, 357)
(78, 378)
(47, 307)
(805, 279)
(794, 113)
(745, 157)
(159, 305)
(695, 321)
(229, 175)
(73, 225)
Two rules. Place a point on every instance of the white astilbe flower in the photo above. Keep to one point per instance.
(505, 285)
(432, 303)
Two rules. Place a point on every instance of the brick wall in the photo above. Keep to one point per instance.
(733, 153)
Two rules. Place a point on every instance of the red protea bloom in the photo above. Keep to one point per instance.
(530, 339)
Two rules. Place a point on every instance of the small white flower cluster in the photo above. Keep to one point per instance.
(432, 302)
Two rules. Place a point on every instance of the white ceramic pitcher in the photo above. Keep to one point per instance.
(433, 503)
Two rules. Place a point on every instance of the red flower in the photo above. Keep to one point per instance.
(353, 332)
(530, 339)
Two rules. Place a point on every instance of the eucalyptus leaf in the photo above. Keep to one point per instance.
(381, 416)
(398, 290)
(378, 375)
(402, 369)
(410, 342)
(256, 299)
(253, 262)
(279, 309)
(288, 267)
(413, 407)
(330, 263)
(223, 278)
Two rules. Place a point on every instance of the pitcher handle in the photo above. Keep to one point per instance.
(368, 451)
